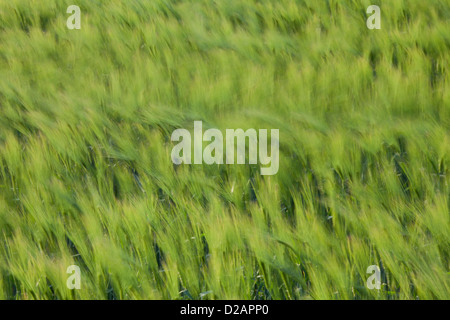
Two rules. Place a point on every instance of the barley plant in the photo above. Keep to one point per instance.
(86, 177)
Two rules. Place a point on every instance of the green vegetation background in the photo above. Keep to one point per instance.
(85, 170)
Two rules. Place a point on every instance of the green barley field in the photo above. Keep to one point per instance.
(86, 176)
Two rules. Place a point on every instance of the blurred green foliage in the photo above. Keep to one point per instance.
(85, 171)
